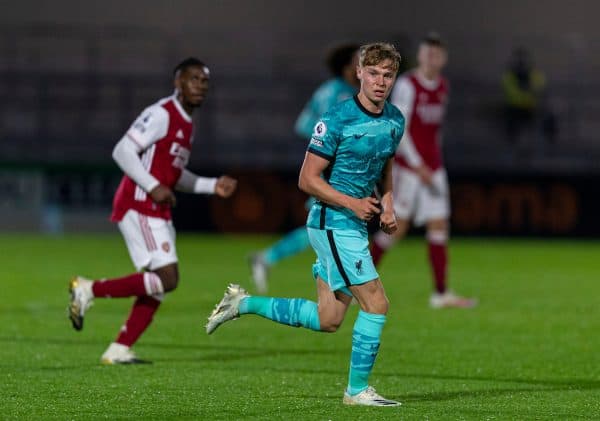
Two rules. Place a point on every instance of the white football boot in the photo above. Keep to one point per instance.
(260, 272)
(82, 298)
(448, 300)
(120, 354)
(227, 308)
(368, 397)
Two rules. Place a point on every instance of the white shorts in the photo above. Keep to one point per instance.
(150, 241)
(417, 201)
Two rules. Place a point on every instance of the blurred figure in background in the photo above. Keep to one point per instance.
(153, 155)
(342, 61)
(524, 87)
(421, 192)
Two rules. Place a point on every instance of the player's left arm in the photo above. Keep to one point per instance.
(387, 219)
(189, 182)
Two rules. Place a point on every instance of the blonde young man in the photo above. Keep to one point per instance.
(351, 149)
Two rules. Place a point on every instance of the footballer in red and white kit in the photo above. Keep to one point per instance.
(153, 155)
(421, 192)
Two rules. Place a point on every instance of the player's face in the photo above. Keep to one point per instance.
(376, 81)
(432, 59)
(192, 86)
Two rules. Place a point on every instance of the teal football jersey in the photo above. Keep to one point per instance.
(328, 94)
(358, 144)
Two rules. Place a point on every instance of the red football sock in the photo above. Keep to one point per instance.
(438, 258)
(136, 284)
(139, 319)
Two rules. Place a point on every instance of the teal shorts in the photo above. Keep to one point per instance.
(343, 258)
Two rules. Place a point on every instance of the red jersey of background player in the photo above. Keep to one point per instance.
(164, 133)
(423, 103)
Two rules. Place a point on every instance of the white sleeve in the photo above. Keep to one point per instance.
(148, 128)
(403, 97)
(127, 158)
(191, 183)
(408, 151)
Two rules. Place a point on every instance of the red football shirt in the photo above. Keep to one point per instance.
(423, 104)
(163, 133)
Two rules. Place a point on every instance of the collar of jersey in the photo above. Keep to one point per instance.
(364, 110)
(183, 113)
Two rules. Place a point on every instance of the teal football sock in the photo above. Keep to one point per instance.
(365, 345)
(288, 311)
(292, 243)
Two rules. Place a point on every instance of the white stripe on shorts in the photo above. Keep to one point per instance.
(147, 232)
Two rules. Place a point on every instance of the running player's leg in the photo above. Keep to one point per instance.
(366, 334)
(326, 315)
(360, 278)
(151, 244)
(163, 267)
(437, 246)
(145, 306)
(434, 210)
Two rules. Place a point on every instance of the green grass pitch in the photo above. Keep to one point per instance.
(531, 350)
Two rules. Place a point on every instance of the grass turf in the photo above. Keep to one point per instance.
(529, 351)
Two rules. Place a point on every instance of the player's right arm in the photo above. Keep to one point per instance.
(311, 182)
(320, 154)
(147, 129)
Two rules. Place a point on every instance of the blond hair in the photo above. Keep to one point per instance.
(377, 52)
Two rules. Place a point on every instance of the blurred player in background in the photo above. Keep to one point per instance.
(421, 191)
(153, 155)
(351, 149)
(342, 62)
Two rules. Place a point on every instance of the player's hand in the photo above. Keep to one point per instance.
(225, 186)
(366, 208)
(425, 174)
(387, 222)
(163, 195)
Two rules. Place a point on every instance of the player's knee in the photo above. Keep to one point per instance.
(330, 323)
(377, 305)
(170, 284)
(437, 235)
(169, 277)
(330, 326)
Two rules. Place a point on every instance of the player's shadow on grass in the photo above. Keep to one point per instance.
(215, 352)
(521, 384)
(228, 352)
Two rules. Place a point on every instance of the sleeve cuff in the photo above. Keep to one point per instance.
(205, 185)
(321, 154)
(151, 185)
